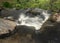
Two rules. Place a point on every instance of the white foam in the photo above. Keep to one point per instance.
(36, 21)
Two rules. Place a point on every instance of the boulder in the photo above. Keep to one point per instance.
(25, 30)
(55, 17)
(6, 26)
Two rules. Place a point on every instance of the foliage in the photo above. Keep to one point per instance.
(56, 5)
(7, 5)
(43, 4)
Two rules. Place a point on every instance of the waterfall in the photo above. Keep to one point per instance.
(35, 21)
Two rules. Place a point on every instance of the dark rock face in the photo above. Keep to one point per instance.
(24, 30)
(48, 33)
(52, 34)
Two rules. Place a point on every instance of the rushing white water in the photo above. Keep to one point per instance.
(36, 21)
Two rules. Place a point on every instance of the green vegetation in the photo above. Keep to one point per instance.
(7, 5)
(56, 5)
(43, 4)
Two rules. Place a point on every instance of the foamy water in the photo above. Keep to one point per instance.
(36, 21)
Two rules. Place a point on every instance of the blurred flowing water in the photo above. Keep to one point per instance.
(35, 19)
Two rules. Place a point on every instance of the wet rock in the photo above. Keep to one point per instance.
(6, 26)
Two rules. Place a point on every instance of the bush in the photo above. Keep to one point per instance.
(7, 5)
(43, 4)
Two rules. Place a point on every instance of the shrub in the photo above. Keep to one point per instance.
(7, 5)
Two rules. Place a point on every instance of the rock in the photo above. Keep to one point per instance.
(25, 30)
(6, 26)
(56, 17)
